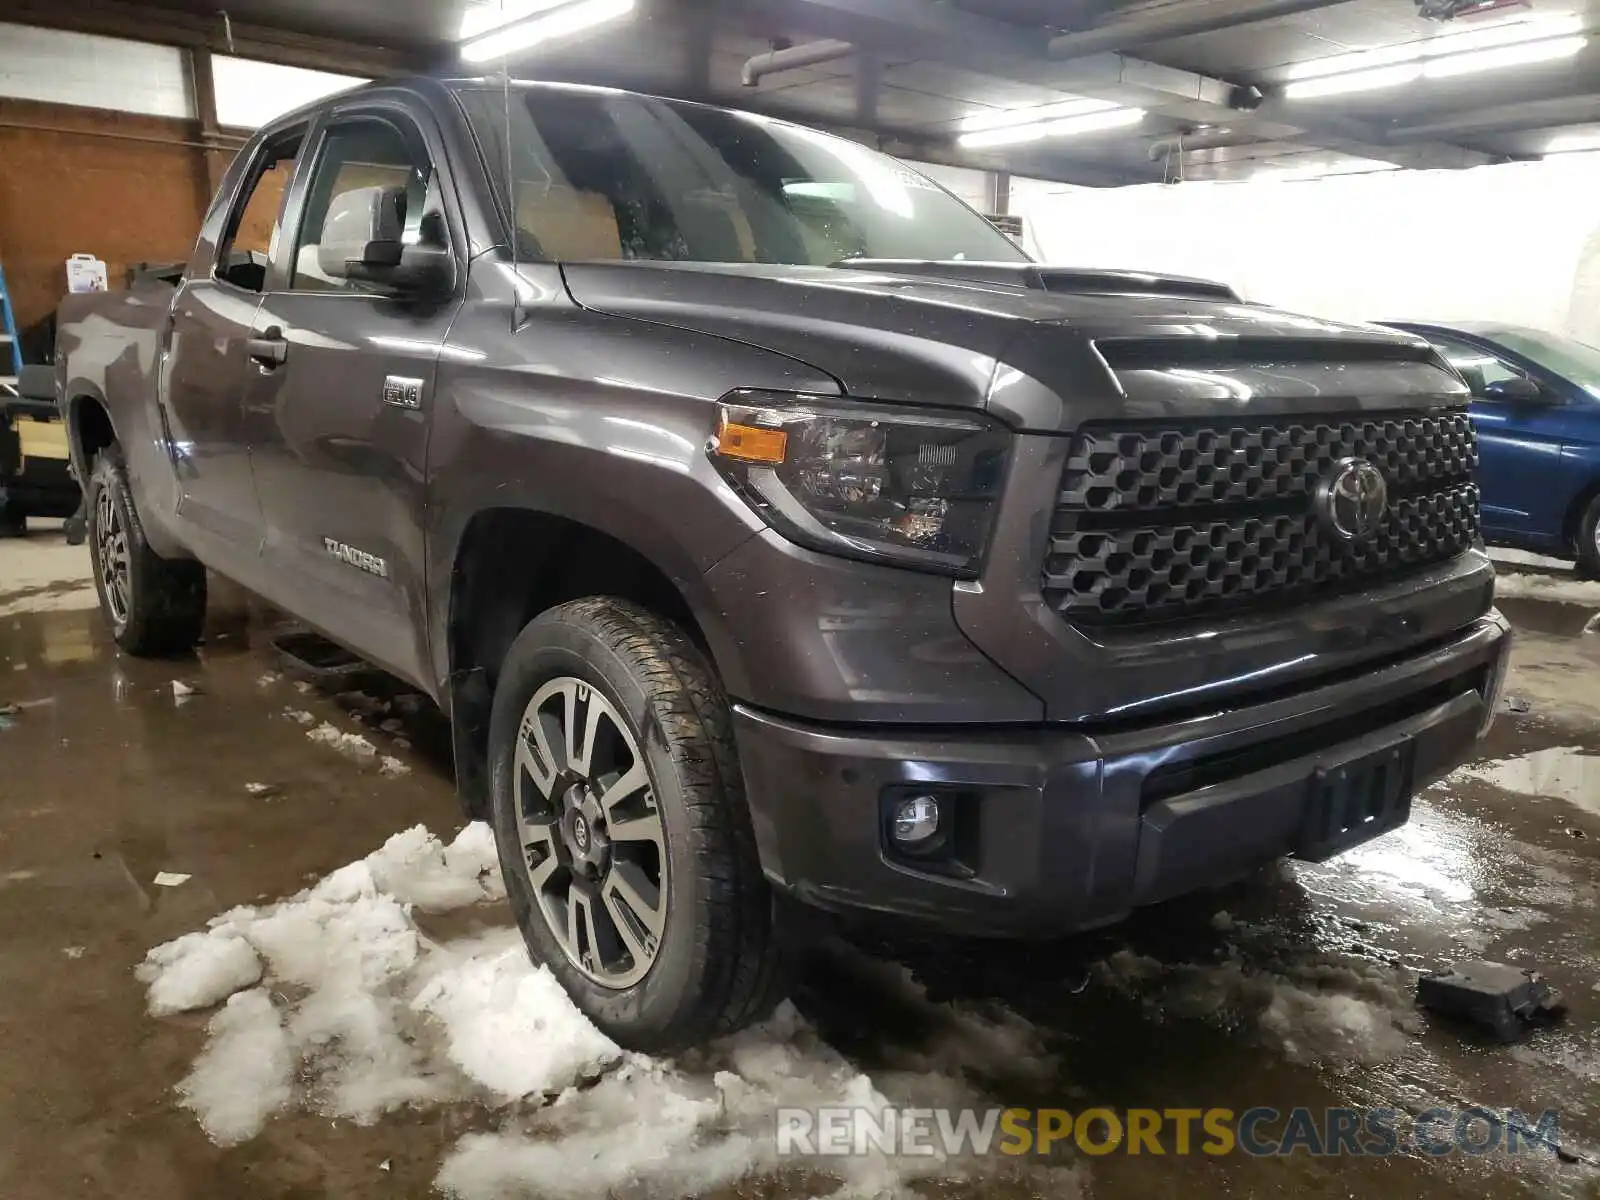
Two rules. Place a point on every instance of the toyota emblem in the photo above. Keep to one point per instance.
(1352, 500)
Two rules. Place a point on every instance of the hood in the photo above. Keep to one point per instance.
(1038, 347)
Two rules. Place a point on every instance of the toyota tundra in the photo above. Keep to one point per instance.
(769, 526)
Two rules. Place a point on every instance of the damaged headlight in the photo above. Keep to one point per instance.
(913, 486)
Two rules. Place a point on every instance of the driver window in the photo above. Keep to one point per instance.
(360, 154)
(253, 228)
(1478, 367)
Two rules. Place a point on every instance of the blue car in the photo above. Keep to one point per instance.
(1536, 406)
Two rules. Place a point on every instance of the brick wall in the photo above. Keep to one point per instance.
(67, 188)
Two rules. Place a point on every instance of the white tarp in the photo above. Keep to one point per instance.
(1517, 243)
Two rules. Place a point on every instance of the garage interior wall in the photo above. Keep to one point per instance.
(100, 142)
(70, 187)
(1518, 243)
(123, 185)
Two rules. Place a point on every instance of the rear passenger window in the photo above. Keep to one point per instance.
(362, 153)
(254, 226)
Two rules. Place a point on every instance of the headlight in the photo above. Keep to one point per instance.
(912, 486)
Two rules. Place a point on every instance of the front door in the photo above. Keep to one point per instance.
(205, 366)
(339, 427)
(1520, 466)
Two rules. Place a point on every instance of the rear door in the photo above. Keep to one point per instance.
(339, 426)
(205, 364)
(1520, 464)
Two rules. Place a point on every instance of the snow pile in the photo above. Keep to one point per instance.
(1321, 1011)
(243, 1075)
(343, 1006)
(675, 1130)
(1513, 586)
(491, 1003)
(351, 744)
(197, 971)
(1560, 773)
(413, 869)
(1511, 556)
(328, 1028)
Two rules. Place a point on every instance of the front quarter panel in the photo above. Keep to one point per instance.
(598, 419)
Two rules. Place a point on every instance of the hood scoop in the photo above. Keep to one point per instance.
(1033, 276)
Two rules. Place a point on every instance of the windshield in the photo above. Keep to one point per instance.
(605, 175)
(1577, 361)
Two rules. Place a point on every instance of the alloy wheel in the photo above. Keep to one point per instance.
(590, 832)
(111, 546)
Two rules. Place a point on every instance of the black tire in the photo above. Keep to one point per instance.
(1589, 541)
(718, 963)
(160, 608)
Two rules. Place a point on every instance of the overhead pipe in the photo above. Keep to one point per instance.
(1175, 21)
(807, 54)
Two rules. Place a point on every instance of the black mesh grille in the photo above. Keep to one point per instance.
(1115, 470)
(1157, 521)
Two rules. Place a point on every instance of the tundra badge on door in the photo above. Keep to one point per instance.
(360, 559)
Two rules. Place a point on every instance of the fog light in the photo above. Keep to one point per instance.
(916, 820)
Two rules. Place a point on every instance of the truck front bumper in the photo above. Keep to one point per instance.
(1046, 830)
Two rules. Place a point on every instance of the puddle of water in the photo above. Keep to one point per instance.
(1559, 773)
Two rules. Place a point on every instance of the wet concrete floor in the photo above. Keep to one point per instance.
(1292, 989)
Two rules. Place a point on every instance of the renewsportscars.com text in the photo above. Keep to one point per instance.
(1257, 1132)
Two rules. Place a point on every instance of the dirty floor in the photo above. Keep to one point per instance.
(231, 784)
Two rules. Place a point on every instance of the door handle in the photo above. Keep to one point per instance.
(270, 350)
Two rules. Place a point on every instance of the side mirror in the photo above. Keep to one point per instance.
(363, 240)
(1516, 391)
(362, 229)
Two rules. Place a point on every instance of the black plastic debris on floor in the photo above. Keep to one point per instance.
(1502, 1000)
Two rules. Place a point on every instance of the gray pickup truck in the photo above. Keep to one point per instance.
(769, 526)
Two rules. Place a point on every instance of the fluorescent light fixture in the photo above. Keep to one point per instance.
(1077, 106)
(1361, 60)
(1114, 118)
(1509, 33)
(545, 24)
(1573, 143)
(1535, 29)
(482, 17)
(1354, 81)
(1504, 56)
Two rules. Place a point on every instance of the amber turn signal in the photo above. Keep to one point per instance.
(751, 443)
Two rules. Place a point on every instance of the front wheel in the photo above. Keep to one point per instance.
(623, 834)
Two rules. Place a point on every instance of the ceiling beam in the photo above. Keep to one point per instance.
(1504, 118)
(1360, 138)
(173, 27)
(1175, 21)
